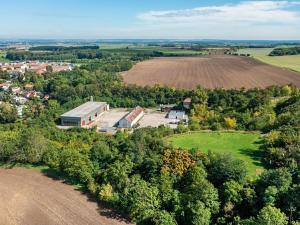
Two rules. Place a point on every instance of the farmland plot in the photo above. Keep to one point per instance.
(219, 71)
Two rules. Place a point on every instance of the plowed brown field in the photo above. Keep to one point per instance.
(222, 71)
(30, 198)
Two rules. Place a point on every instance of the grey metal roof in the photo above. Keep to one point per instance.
(84, 109)
(177, 113)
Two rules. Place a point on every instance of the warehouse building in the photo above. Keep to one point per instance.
(84, 115)
(131, 119)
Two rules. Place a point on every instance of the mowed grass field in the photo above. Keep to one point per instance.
(291, 62)
(242, 146)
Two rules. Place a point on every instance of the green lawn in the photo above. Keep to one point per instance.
(291, 62)
(243, 146)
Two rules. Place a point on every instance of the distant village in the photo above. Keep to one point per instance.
(20, 95)
(15, 68)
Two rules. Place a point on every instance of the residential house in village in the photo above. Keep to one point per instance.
(15, 90)
(28, 87)
(5, 86)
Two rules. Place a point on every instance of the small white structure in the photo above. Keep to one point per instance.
(5, 86)
(15, 90)
(19, 100)
(132, 118)
(20, 110)
(177, 115)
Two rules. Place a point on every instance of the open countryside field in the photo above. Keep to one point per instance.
(30, 198)
(243, 146)
(170, 51)
(219, 71)
(291, 62)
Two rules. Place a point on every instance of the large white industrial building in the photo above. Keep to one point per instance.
(85, 114)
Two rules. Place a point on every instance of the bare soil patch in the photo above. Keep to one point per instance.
(28, 197)
(219, 71)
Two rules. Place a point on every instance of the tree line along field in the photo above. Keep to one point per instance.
(291, 62)
(214, 71)
(242, 146)
(172, 51)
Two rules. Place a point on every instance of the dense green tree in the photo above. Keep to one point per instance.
(117, 173)
(198, 188)
(76, 165)
(32, 146)
(281, 179)
(198, 214)
(8, 113)
(141, 199)
(162, 217)
(271, 216)
(223, 167)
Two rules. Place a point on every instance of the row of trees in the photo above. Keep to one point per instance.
(79, 54)
(285, 51)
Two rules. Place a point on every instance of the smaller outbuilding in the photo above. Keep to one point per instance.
(177, 115)
(167, 108)
(28, 87)
(187, 103)
(132, 118)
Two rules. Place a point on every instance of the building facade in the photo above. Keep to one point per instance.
(84, 115)
(177, 115)
(132, 118)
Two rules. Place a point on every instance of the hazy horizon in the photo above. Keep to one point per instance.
(169, 19)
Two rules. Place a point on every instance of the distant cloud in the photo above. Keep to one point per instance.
(247, 11)
(243, 20)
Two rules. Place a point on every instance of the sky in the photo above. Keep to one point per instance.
(151, 19)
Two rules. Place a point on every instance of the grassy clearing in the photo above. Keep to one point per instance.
(291, 62)
(242, 146)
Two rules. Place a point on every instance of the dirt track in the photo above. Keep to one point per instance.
(209, 72)
(30, 198)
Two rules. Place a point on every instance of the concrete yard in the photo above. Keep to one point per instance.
(152, 118)
(111, 118)
(155, 118)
